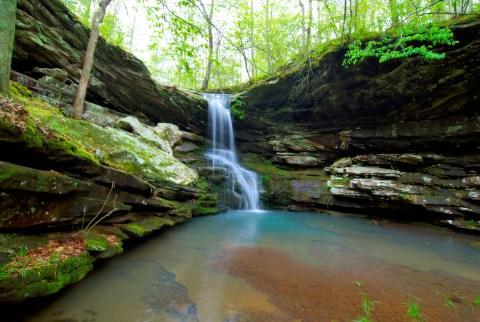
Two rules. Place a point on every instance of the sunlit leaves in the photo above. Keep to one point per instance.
(410, 41)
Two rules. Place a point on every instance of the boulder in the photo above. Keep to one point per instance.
(148, 134)
(169, 132)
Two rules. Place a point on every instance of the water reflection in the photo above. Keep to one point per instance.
(250, 266)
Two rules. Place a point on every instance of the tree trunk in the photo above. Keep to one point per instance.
(344, 20)
(268, 49)
(304, 36)
(132, 31)
(319, 22)
(309, 24)
(394, 13)
(88, 63)
(7, 34)
(252, 41)
(208, 72)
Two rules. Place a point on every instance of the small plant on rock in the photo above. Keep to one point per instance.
(413, 309)
(448, 303)
(367, 308)
(93, 223)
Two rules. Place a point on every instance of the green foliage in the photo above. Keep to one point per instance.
(471, 224)
(413, 309)
(477, 300)
(408, 41)
(23, 251)
(255, 40)
(448, 303)
(237, 109)
(367, 308)
(111, 28)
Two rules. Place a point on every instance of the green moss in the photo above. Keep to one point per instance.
(8, 172)
(45, 280)
(205, 211)
(99, 243)
(134, 230)
(17, 90)
(96, 243)
(262, 165)
(45, 127)
(145, 226)
(22, 125)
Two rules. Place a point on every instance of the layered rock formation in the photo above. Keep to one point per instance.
(86, 187)
(401, 136)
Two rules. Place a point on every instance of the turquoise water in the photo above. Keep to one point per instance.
(173, 276)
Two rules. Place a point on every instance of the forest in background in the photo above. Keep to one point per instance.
(203, 44)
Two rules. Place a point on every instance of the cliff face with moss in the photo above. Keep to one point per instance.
(50, 44)
(398, 138)
(86, 187)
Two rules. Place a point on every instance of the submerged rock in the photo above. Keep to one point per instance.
(166, 295)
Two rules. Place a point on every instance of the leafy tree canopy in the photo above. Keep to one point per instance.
(233, 41)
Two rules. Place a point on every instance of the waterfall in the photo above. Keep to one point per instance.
(241, 185)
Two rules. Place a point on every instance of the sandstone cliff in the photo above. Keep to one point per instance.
(401, 137)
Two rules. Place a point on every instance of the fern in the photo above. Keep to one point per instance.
(409, 41)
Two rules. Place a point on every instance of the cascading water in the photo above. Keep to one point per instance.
(241, 185)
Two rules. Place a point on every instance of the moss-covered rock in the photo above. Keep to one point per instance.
(41, 126)
(15, 177)
(117, 148)
(18, 126)
(145, 226)
(145, 132)
(45, 281)
(103, 246)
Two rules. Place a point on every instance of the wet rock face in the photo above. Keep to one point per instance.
(50, 42)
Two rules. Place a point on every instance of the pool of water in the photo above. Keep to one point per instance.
(280, 266)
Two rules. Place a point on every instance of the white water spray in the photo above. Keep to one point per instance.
(241, 186)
